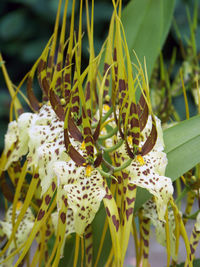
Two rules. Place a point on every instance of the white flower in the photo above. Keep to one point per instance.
(41, 137)
(148, 171)
(17, 135)
(22, 232)
(84, 190)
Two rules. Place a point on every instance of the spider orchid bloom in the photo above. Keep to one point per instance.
(150, 212)
(148, 171)
(66, 147)
(41, 138)
(21, 235)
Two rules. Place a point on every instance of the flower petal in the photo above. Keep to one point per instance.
(84, 198)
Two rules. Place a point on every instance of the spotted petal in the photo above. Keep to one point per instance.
(22, 233)
(84, 192)
(151, 213)
(147, 175)
(17, 135)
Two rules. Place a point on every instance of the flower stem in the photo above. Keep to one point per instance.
(110, 134)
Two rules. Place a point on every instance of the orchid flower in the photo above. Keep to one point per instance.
(84, 151)
(21, 235)
(150, 211)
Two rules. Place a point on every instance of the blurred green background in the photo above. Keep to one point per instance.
(26, 26)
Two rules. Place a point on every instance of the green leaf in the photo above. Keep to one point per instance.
(68, 258)
(181, 133)
(183, 153)
(182, 147)
(98, 225)
(146, 23)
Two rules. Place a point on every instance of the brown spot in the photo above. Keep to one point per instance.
(87, 91)
(146, 221)
(146, 232)
(130, 200)
(146, 242)
(89, 139)
(88, 235)
(57, 151)
(40, 214)
(36, 175)
(192, 249)
(106, 83)
(131, 187)
(65, 201)
(87, 131)
(47, 199)
(108, 196)
(75, 99)
(115, 222)
(145, 255)
(67, 77)
(88, 248)
(122, 85)
(48, 233)
(8, 154)
(89, 258)
(129, 212)
(124, 175)
(53, 185)
(107, 211)
(63, 217)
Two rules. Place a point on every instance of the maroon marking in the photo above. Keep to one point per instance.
(67, 77)
(88, 248)
(115, 222)
(36, 175)
(47, 199)
(89, 258)
(48, 233)
(53, 185)
(130, 200)
(88, 235)
(145, 255)
(146, 232)
(129, 212)
(57, 151)
(131, 187)
(63, 217)
(87, 131)
(108, 196)
(108, 212)
(146, 242)
(40, 215)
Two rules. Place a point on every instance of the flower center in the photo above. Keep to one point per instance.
(140, 159)
(130, 140)
(83, 146)
(19, 205)
(106, 108)
(88, 171)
